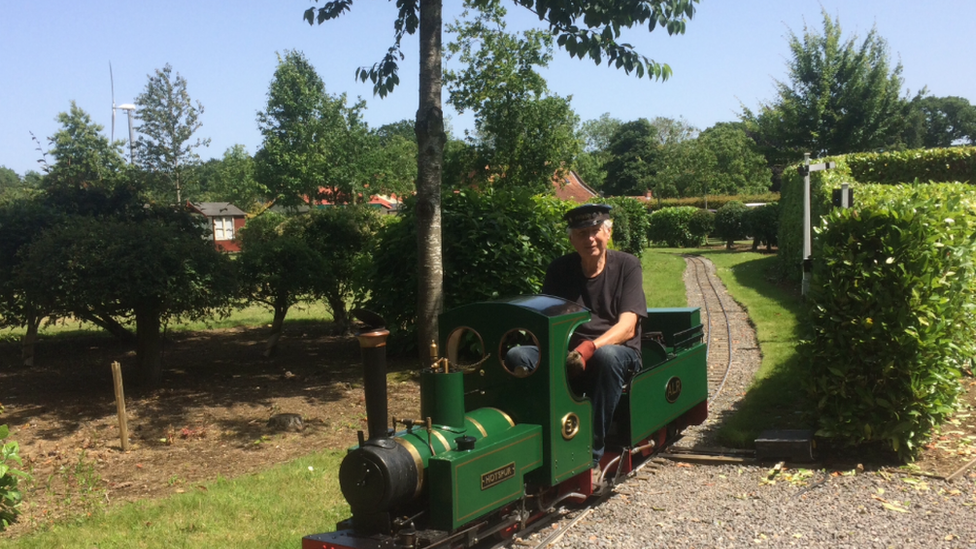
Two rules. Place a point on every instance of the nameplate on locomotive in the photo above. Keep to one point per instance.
(492, 478)
(673, 390)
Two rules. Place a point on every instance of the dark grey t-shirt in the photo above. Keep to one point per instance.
(617, 289)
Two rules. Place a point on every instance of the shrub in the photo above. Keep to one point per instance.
(672, 227)
(892, 302)
(10, 495)
(763, 224)
(702, 224)
(496, 243)
(714, 201)
(630, 224)
(730, 223)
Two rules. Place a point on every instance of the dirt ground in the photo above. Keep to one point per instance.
(210, 418)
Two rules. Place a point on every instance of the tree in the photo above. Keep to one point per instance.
(634, 150)
(840, 97)
(278, 268)
(83, 157)
(591, 162)
(721, 160)
(167, 121)
(344, 237)
(231, 179)
(151, 266)
(523, 133)
(315, 146)
(942, 122)
(596, 38)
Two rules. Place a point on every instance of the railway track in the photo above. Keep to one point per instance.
(718, 325)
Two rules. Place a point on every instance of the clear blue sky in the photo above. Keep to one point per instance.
(57, 51)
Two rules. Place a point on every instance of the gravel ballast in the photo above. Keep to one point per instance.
(684, 505)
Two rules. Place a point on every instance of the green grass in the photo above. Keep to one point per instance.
(776, 397)
(272, 509)
(251, 315)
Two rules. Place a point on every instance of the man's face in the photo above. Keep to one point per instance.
(591, 241)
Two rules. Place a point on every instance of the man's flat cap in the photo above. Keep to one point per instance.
(587, 215)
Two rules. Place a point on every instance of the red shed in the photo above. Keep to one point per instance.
(224, 220)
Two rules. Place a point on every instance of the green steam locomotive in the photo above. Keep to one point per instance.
(497, 448)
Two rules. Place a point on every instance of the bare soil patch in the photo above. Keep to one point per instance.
(210, 417)
(208, 420)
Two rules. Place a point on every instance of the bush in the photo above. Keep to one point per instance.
(10, 495)
(730, 223)
(630, 224)
(763, 224)
(496, 243)
(672, 227)
(702, 224)
(892, 302)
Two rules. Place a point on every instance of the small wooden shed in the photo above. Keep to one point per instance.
(224, 220)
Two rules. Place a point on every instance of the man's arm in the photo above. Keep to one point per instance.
(620, 332)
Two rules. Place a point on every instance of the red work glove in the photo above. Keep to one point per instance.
(586, 350)
(576, 360)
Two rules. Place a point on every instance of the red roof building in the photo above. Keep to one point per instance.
(569, 186)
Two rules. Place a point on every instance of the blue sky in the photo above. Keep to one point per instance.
(57, 51)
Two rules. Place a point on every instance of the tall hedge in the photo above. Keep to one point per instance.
(630, 224)
(892, 302)
(892, 168)
(956, 164)
(673, 227)
(495, 243)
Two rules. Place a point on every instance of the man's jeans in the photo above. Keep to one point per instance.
(603, 382)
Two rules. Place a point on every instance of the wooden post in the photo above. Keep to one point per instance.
(120, 405)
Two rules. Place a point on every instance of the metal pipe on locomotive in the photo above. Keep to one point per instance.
(497, 448)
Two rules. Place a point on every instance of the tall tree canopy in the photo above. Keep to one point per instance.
(634, 151)
(940, 122)
(523, 133)
(840, 97)
(168, 119)
(583, 29)
(316, 146)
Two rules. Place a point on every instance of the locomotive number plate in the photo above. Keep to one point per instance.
(492, 478)
(673, 390)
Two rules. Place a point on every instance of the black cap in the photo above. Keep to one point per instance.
(587, 215)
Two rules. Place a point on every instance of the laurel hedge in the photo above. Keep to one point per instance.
(674, 227)
(892, 304)
(956, 164)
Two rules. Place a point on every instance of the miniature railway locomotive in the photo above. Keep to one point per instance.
(498, 448)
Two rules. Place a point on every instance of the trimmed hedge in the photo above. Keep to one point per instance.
(762, 224)
(956, 164)
(630, 224)
(892, 168)
(672, 227)
(892, 302)
(714, 201)
(730, 223)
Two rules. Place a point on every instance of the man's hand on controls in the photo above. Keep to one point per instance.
(576, 360)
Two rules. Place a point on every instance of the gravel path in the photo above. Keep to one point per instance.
(680, 505)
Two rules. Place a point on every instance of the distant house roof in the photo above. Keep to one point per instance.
(571, 187)
(217, 209)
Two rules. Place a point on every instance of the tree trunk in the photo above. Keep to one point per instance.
(29, 339)
(277, 326)
(430, 159)
(108, 324)
(339, 314)
(149, 345)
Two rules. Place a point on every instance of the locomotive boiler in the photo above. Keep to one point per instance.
(495, 447)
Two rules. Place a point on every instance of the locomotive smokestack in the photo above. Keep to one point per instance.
(373, 345)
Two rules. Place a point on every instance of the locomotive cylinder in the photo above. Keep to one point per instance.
(373, 346)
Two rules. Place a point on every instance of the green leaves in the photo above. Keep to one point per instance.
(890, 324)
(10, 494)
